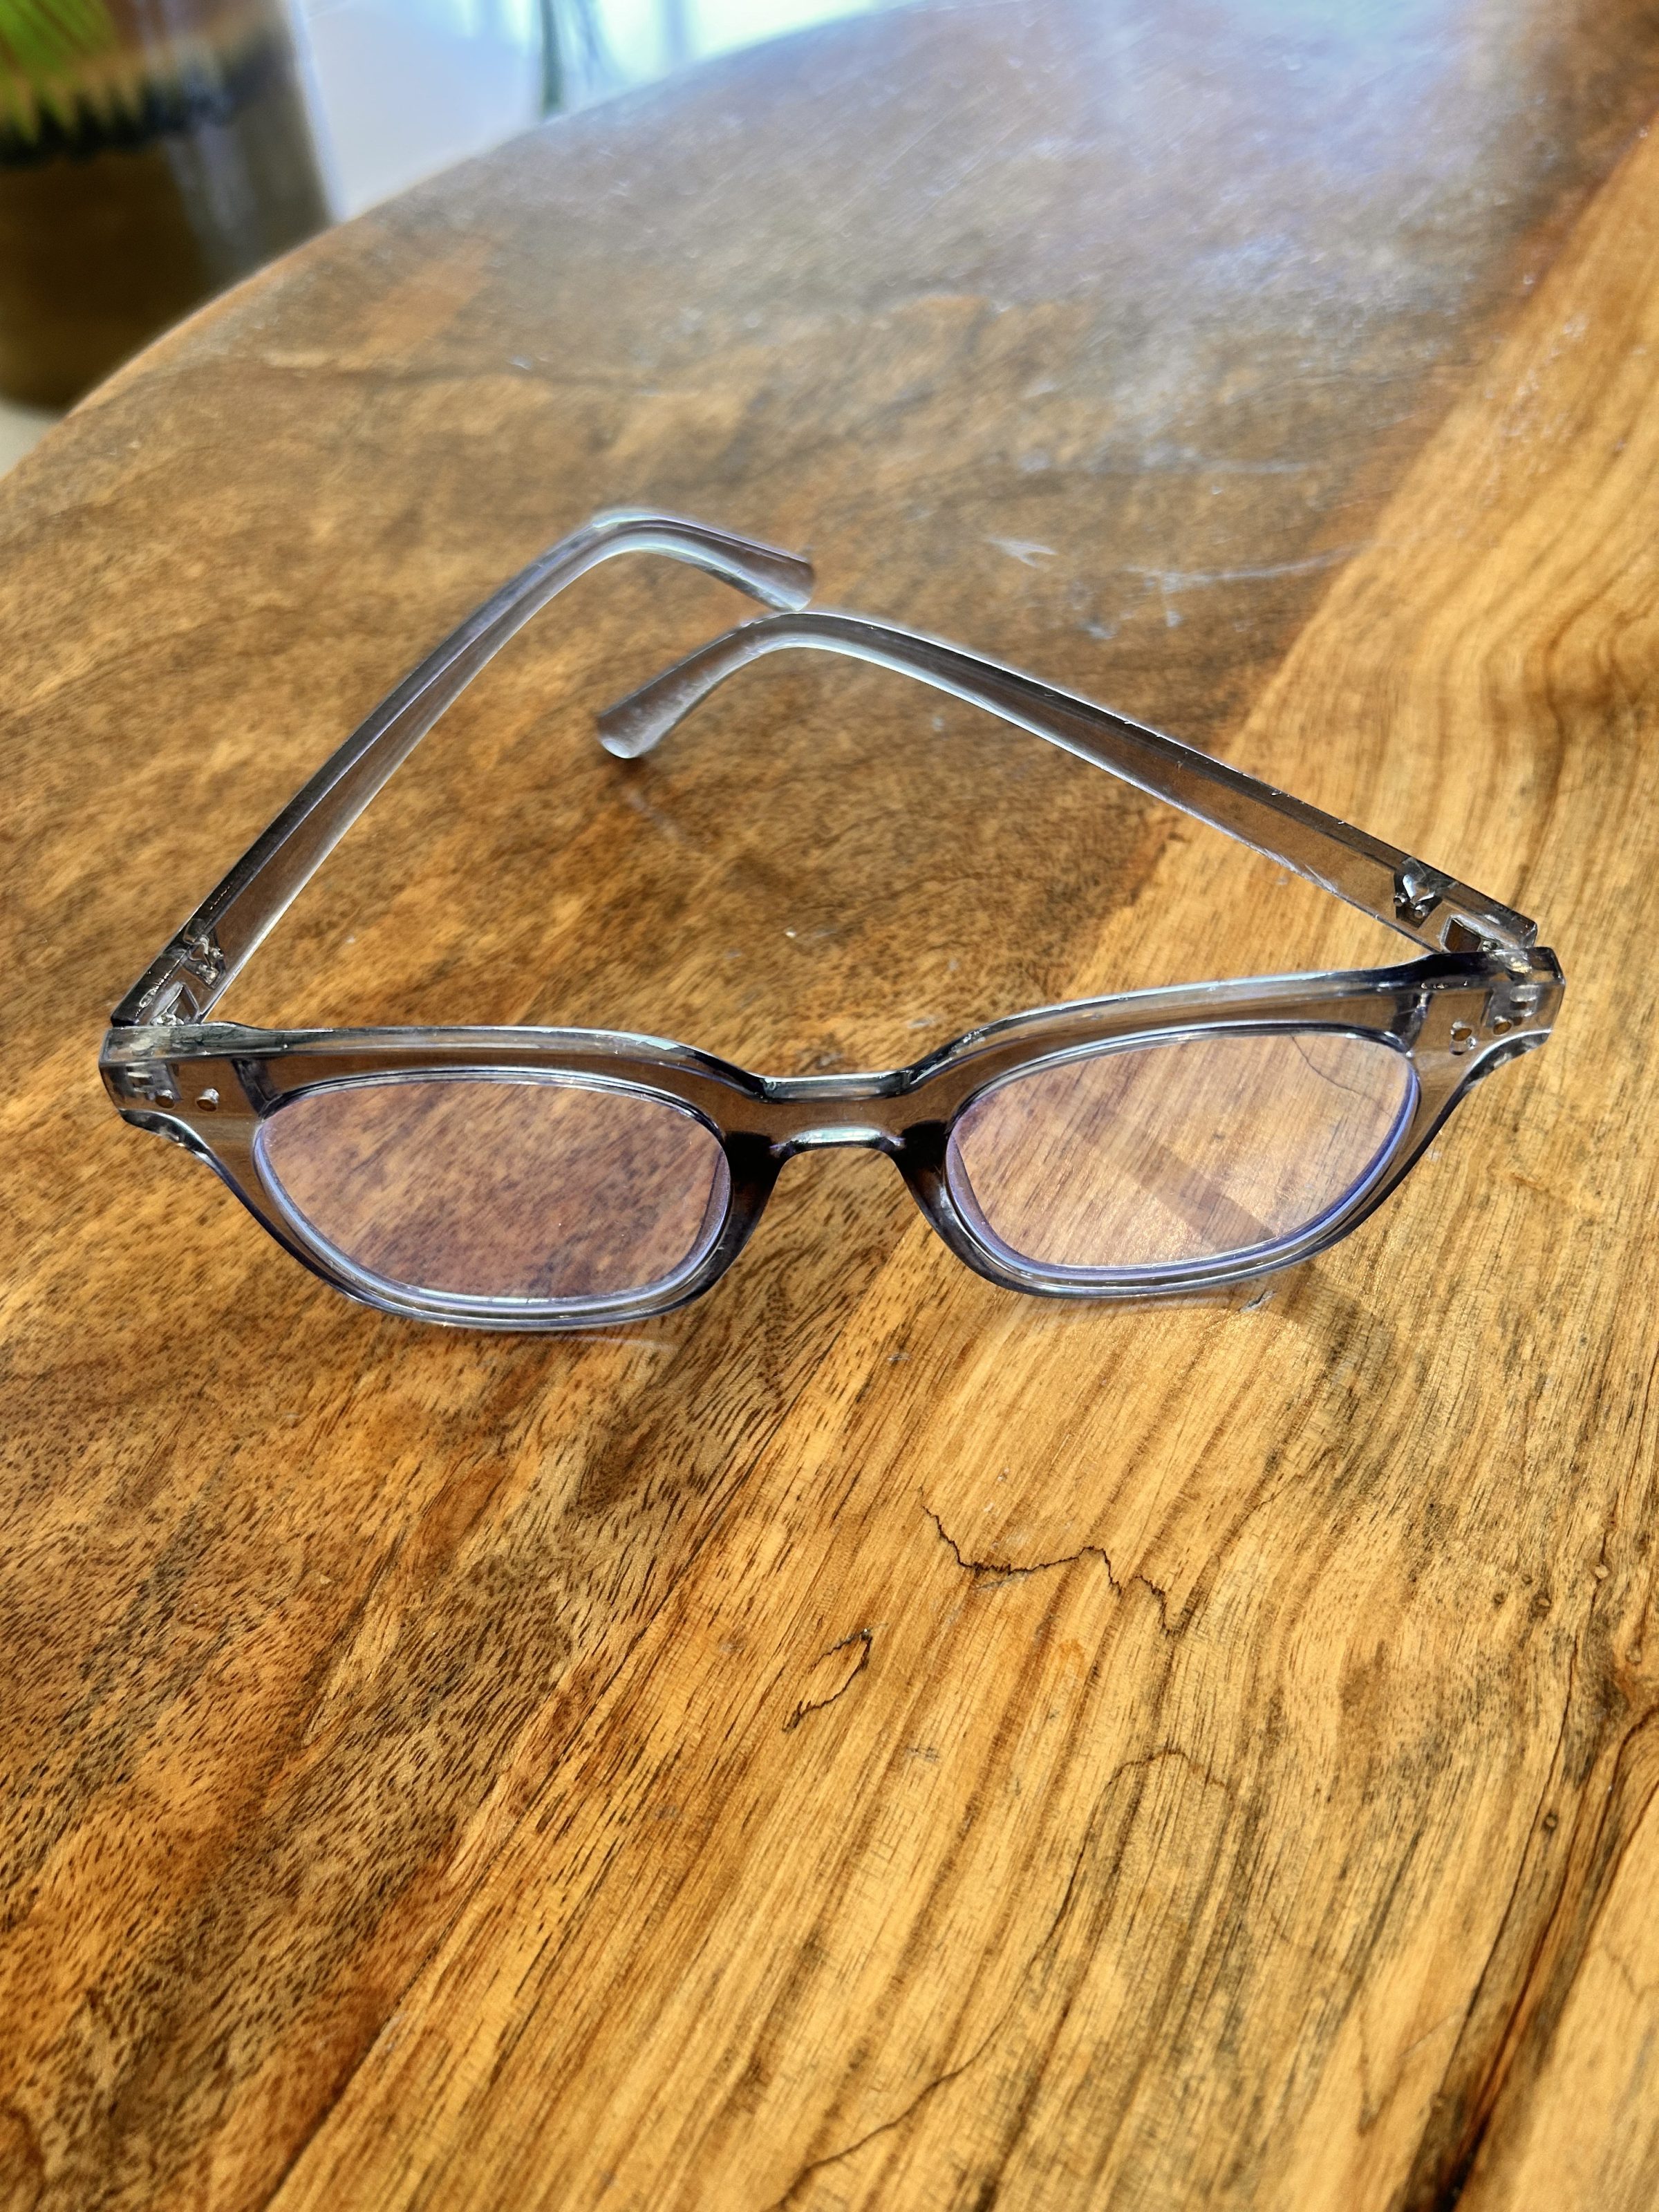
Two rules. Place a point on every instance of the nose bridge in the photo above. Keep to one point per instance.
(822, 1136)
(812, 1113)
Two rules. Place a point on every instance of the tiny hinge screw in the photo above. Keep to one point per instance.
(1417, 891)
(204, 958)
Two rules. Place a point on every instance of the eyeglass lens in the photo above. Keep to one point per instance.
(1170, 1153)
(542, 1191)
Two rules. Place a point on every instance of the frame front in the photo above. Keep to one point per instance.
(208, 1086)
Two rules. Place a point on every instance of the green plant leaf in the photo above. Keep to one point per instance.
(40, 39)
(43, 44)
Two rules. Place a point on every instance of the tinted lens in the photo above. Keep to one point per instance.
(544, 1191)
(1169, 1154)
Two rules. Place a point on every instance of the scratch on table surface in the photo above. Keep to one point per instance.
(1196, 579)
(1024, 550)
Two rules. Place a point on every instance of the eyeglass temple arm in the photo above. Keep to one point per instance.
(1421, 902)
(197, 966)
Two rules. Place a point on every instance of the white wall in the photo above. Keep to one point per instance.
(402, 88)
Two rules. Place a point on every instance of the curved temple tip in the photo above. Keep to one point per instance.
(788, 595)
(779, 580)
(783, 581)
(634, 725)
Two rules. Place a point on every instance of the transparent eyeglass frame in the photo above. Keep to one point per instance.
(1480, 993)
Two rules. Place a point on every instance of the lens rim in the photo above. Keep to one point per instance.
(495, 1310)
(972, 1215)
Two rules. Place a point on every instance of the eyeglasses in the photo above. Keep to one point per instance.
(1155, 1142)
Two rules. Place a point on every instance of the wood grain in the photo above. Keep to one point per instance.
(866, 1739)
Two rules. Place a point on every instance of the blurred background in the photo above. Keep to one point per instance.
(154, 151)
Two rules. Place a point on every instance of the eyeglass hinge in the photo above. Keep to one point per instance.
(148, 1083)
(204, 958)
(199, 959)
(1512, 1005)
(1418, 890)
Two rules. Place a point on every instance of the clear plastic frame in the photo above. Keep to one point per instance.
(1150, 1143)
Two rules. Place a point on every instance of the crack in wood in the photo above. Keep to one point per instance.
(992, 1571)
(864, 1639)
(1587, 1870)
(955, 2073)
(1140, 1763)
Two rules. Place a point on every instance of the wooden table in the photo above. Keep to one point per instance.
(866, 1739)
